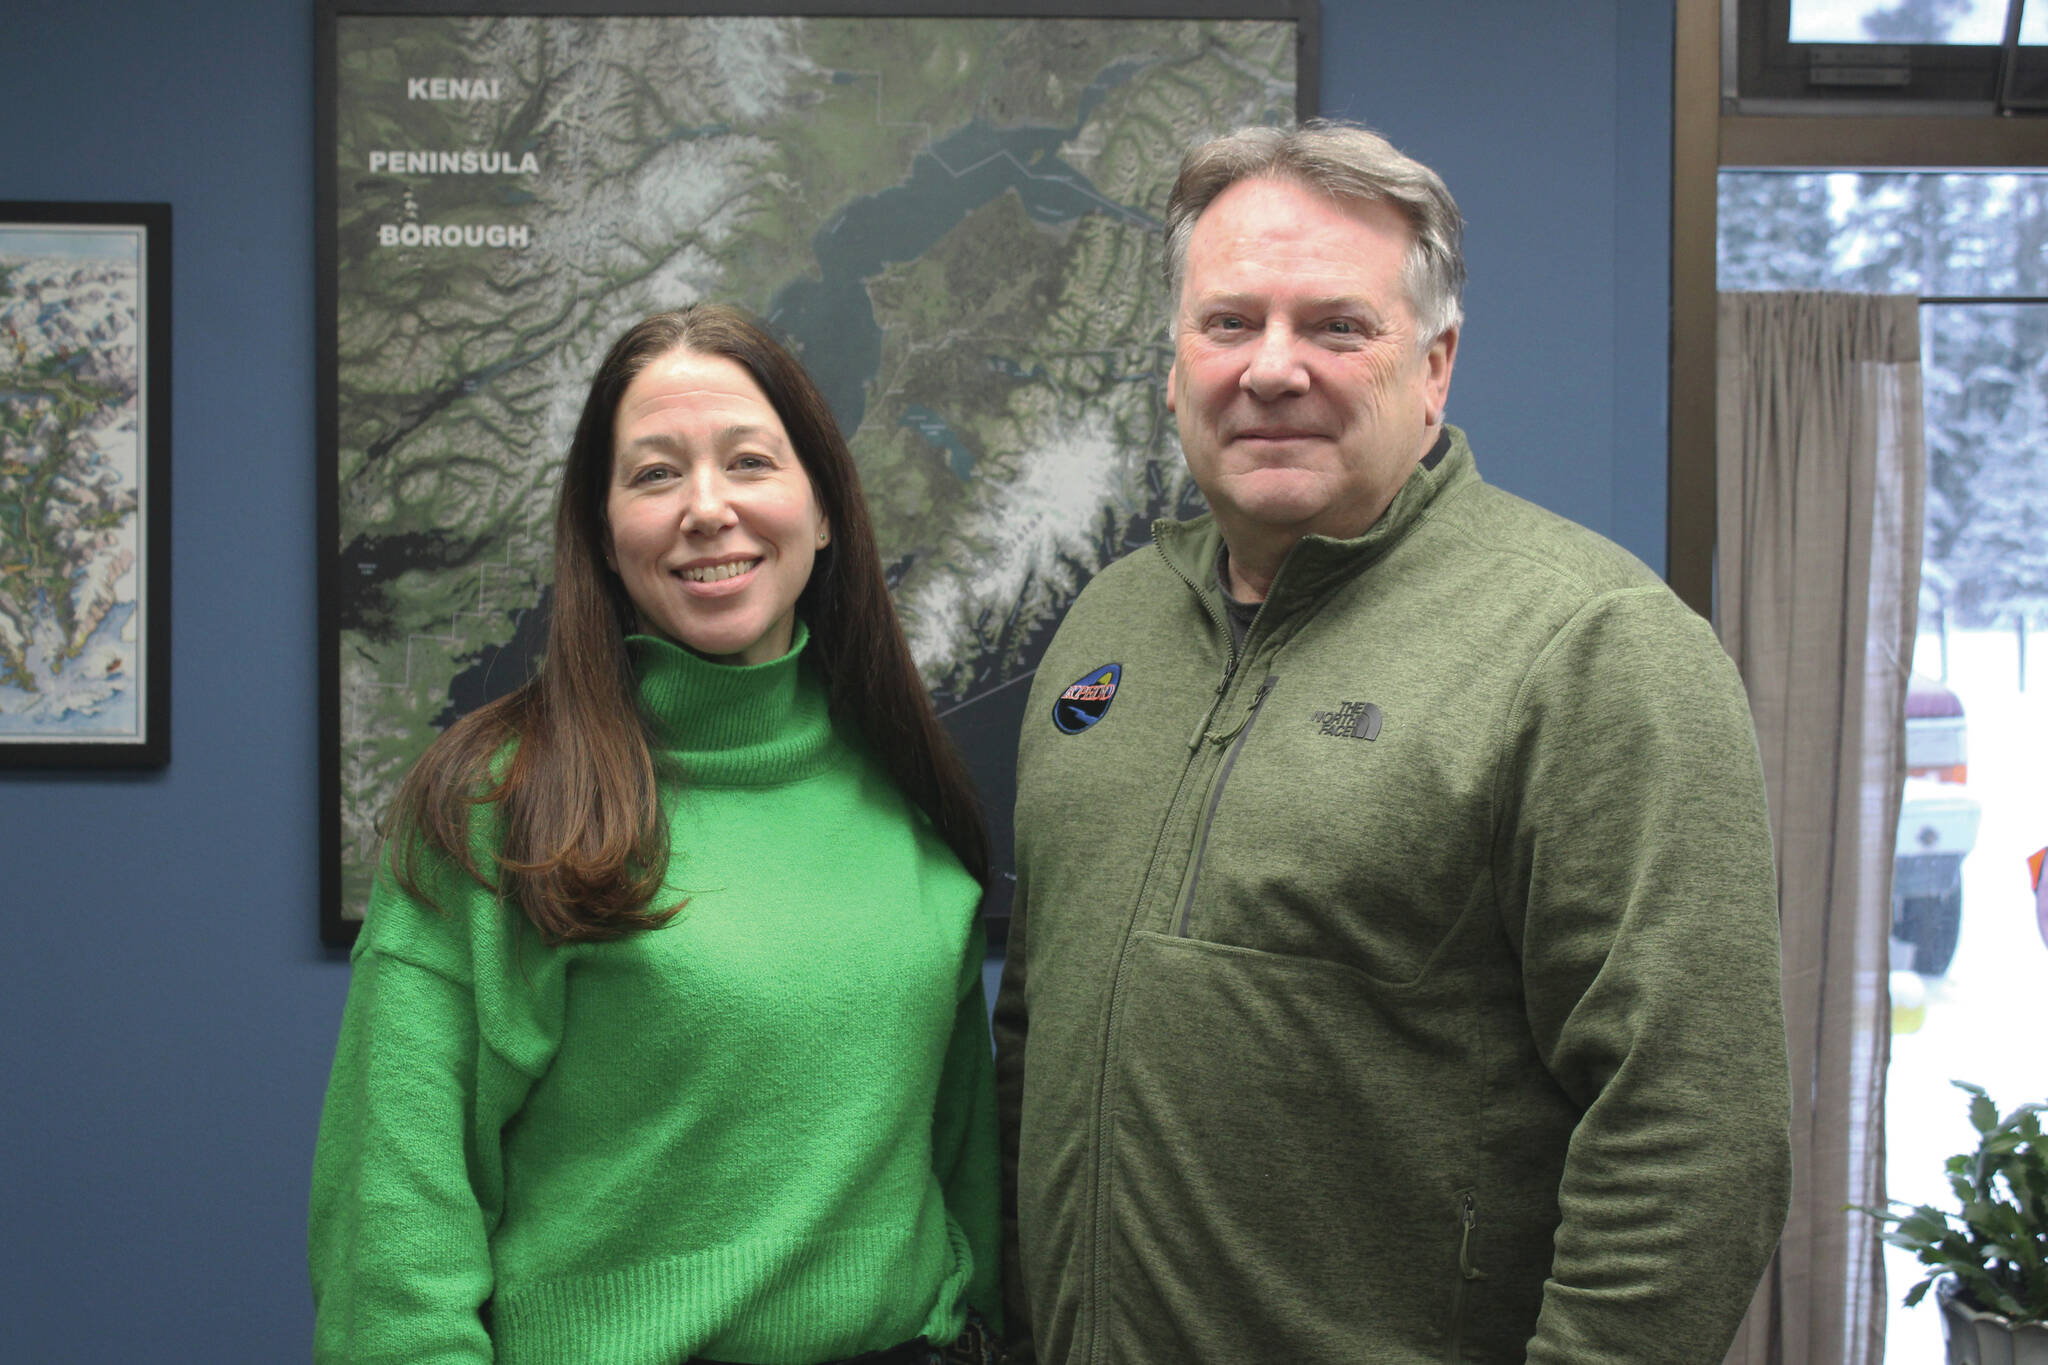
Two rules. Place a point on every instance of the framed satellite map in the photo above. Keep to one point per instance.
(953, 217)
(85, 469)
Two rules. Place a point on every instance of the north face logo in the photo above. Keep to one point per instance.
(1351, 720)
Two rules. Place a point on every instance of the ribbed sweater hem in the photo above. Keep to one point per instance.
(775, 1302)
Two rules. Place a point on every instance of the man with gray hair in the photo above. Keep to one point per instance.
(1393, 974)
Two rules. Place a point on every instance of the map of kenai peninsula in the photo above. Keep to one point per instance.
(955, 221)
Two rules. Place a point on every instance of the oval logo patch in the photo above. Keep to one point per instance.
(1086, 698)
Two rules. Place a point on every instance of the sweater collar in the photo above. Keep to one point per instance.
(1317, 563)
(732, 724)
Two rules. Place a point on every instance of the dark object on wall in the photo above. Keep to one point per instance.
(85, 485)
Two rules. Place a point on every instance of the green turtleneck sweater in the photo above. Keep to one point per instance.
(763, 1132)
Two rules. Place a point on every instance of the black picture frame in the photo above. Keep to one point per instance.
(346, 845)
(99, 275)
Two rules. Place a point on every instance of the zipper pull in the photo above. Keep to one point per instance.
(1465, 1266)
(1250, 712)
(1229, 672)
(1222, 686)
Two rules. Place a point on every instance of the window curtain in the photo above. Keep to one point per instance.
(1821, 486)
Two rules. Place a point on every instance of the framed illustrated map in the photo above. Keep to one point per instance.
(85, 464)
(954, 218)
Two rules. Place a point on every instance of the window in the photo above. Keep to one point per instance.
(1966, 952)
(1859, 55)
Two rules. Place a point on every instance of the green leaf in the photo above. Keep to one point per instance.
(2003, 1302)
(1925, 1224)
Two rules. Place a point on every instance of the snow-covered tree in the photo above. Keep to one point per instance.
(1774, 231)
(1915, 21)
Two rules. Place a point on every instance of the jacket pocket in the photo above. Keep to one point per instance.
(1269, 1124)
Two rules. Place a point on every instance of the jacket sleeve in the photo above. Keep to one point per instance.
(964, 1137)
(407, 1180)
(1011, 1025)
(1637, 883)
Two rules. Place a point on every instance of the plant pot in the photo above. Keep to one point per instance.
(1976, 1337)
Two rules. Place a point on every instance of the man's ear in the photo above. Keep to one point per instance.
(1438, 363)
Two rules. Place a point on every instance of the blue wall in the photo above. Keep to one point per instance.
(167, 1023)
(1552, 125)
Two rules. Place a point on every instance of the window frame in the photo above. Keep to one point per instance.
(1767, 72)
(1711, 131)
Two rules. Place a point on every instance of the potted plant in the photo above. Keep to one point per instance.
(1988, 1262)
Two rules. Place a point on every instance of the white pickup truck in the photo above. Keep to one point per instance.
(1937, 828)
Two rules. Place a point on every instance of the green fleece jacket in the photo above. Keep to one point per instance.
(1404, 986)
(764, 1132)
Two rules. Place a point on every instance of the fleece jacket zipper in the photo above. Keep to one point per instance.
(1235, 737)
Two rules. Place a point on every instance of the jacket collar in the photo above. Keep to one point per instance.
(1318, 563)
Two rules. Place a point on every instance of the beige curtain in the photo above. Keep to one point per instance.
(1820, 490)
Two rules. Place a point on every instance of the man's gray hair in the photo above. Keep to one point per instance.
(1348, 163)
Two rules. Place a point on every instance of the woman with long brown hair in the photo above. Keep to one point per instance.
(665, 1037)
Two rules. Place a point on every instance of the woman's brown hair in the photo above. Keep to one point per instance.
(582, 841)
